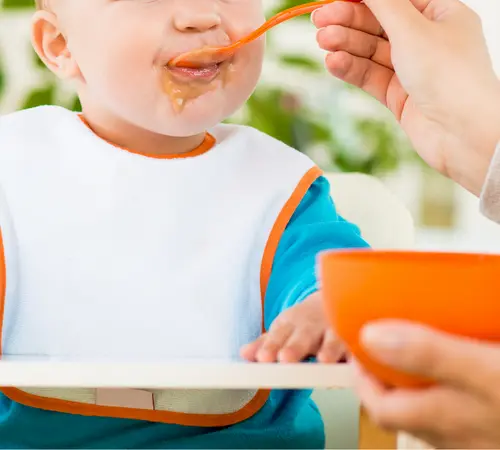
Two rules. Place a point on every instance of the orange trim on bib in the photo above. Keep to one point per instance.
(280, 225)
(194, 420)
(186, 419)
(207, 144)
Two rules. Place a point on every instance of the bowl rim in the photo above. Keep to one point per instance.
(407, 256)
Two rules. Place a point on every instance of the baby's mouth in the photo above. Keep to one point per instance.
(205, 73)
(184, 84)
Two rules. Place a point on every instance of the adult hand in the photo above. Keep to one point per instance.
(461, 411)
(427, 61)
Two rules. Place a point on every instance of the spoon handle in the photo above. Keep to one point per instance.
(211, 54)
(280, 18)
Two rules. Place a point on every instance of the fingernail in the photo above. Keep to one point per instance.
(286, 356)
(265, 356)
(282, 357)
(312, 16)
(382, 338)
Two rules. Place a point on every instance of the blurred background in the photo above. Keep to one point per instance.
(341, 128)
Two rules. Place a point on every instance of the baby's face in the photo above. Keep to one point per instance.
(121, 49)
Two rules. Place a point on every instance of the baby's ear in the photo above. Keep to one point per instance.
(51, 46)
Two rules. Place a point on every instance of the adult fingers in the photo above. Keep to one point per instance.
(358, 43)
(452, 360)
(351, 15)
(401, 19)
(436, 414)
(361, 72)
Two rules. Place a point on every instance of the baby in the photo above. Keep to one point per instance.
(143, 228)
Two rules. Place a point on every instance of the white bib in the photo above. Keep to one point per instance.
(114, 255)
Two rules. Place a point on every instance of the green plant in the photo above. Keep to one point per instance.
(281, 113)
(276, 110)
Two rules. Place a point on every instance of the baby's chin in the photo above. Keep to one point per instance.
(190, 122)
(197, 115)
(194, 105)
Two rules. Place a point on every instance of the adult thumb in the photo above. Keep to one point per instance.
(437, 355)
(398, 16)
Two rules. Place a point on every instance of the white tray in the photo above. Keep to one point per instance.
(190, 375)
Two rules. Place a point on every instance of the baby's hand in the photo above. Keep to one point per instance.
(298, 333)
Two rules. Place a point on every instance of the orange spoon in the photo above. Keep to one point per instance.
(211, 55)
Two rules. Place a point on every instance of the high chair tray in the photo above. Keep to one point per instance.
(20, 372)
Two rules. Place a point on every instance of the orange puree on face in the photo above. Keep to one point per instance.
(181, 92)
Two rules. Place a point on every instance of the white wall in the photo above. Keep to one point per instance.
(489, 10)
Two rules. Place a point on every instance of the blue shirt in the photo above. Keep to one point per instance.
(290, 419)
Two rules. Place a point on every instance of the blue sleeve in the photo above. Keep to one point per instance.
(314, 227)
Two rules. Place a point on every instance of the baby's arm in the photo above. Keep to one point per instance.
(294, 319)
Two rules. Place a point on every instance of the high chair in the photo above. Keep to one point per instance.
(384, 223)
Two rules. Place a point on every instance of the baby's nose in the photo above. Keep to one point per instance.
(197, 20)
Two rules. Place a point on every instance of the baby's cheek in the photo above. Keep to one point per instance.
(242, 17)
(97, 61)
(127, 75)
(249, 66)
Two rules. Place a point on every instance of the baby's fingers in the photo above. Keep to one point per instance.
(249, 351)
(332, 349)
(303, 342)
(266, 348)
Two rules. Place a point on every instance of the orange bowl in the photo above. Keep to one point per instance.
(452, 292)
